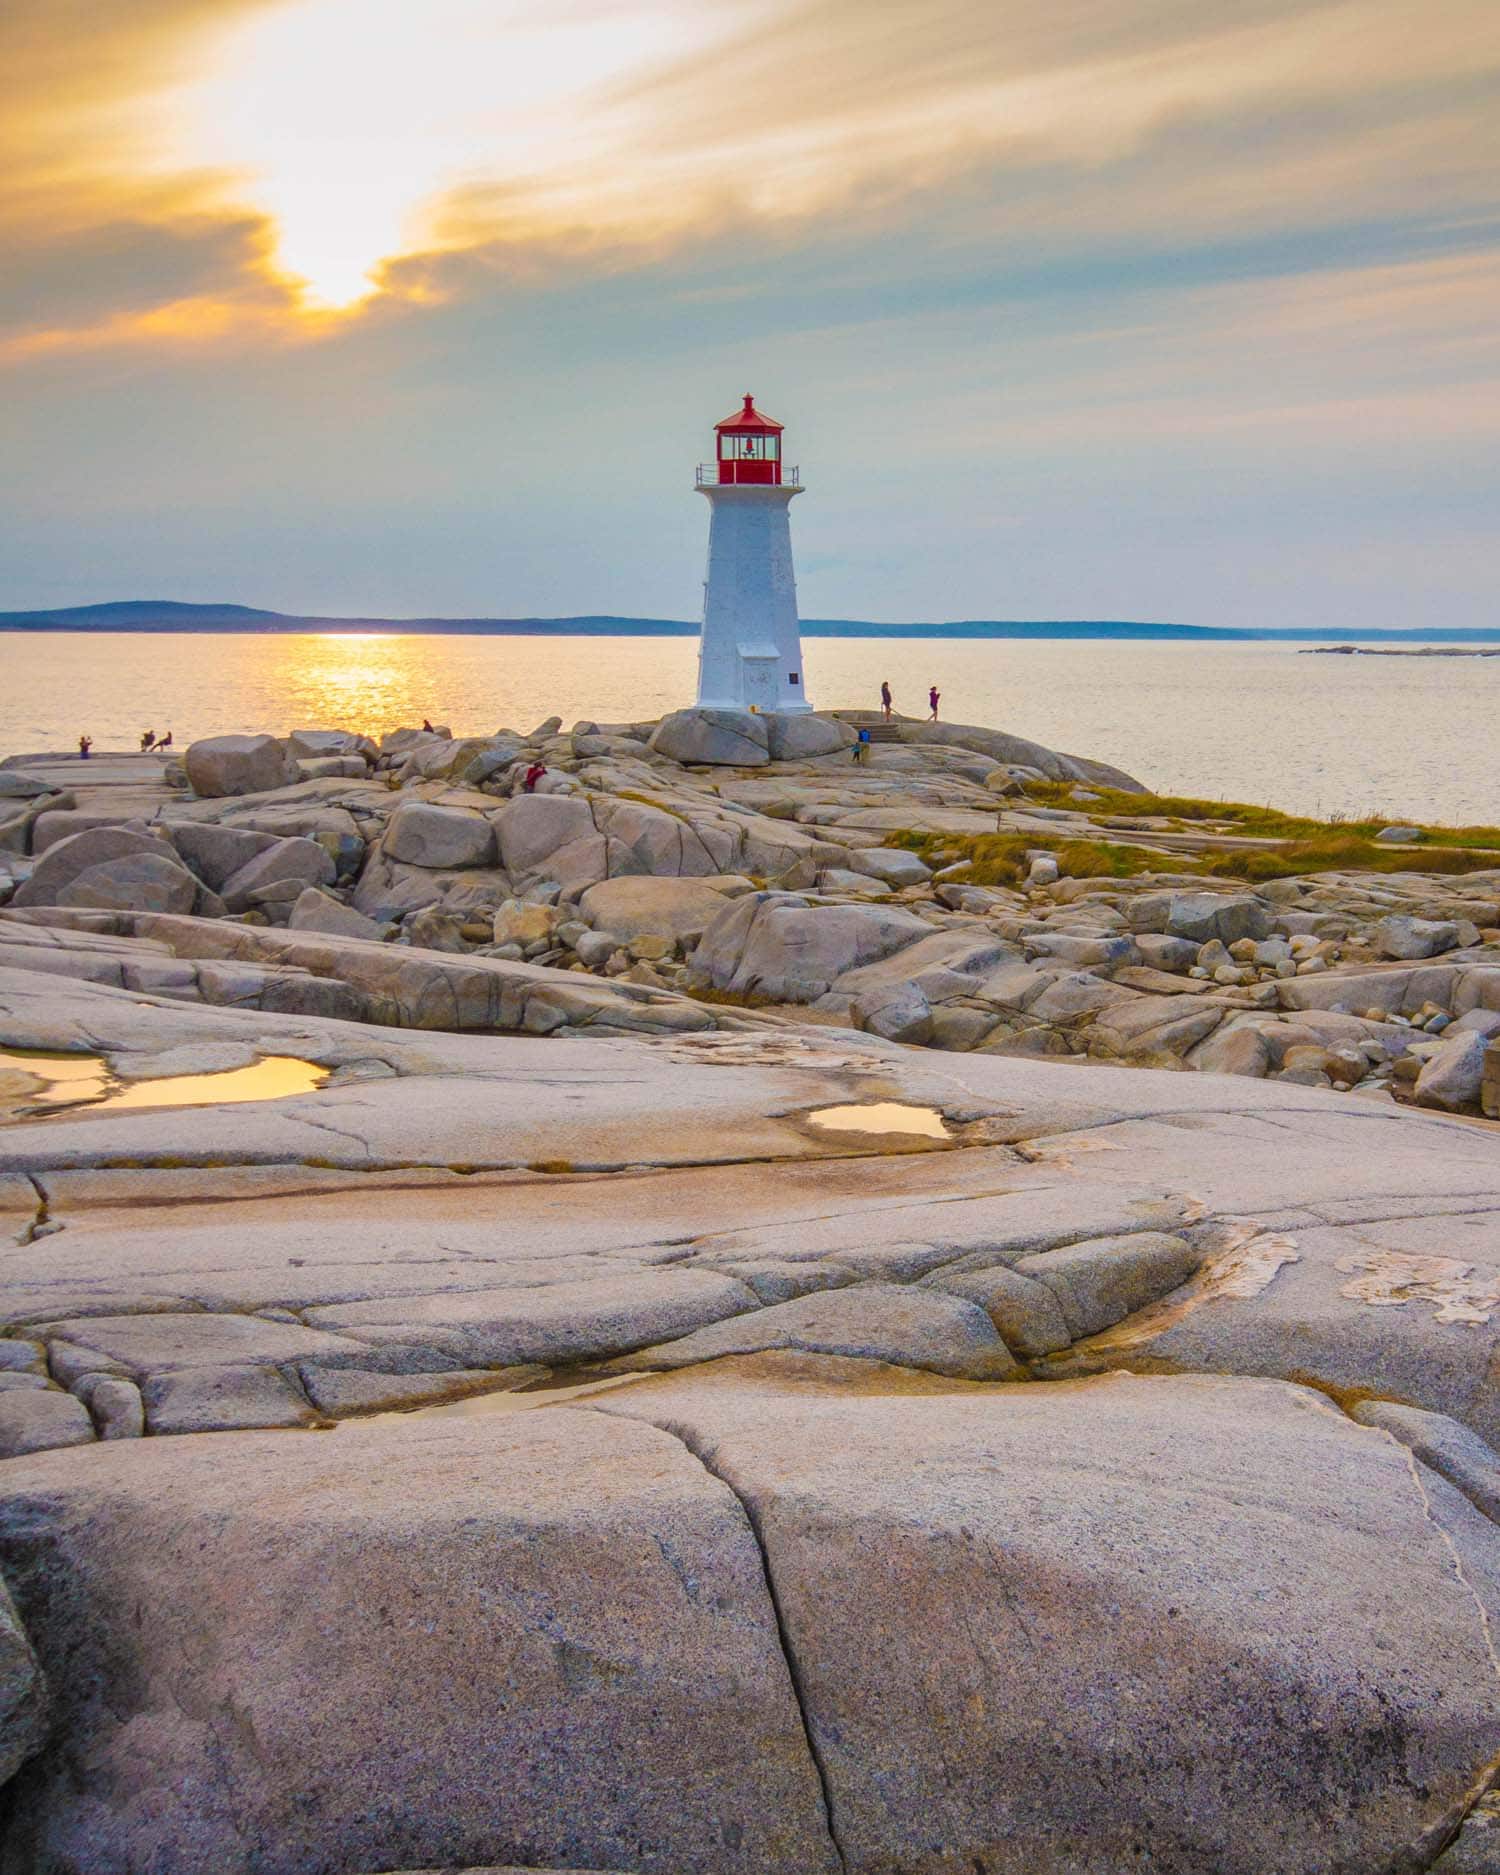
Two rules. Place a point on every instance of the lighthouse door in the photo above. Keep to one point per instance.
(758, 680)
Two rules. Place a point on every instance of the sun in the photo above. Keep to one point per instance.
(346, 122)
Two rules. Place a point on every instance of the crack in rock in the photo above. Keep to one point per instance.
(794, 1671)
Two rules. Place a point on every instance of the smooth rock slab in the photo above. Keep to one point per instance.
(38, 1421)
(223, 1399)
(923, 1328)
(1445, 1446)
(1026, 1313)
(403, 1644)
(1101, 1281)
(158, 1343)
(559, 1323)
(1200, 1625)
(342, 1391)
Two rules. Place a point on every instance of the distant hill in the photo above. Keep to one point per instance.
(169, 615)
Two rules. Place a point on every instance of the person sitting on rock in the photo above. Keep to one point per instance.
(533, 776)
(148, 736)
(164, 742)
(428, 727)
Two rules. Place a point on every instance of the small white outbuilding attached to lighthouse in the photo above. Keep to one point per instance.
(750, 652)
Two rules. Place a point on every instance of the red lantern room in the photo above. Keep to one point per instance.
(749, 446)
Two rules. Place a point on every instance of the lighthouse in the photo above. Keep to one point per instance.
(750, 651)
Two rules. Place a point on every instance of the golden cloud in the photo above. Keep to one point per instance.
(220, 170)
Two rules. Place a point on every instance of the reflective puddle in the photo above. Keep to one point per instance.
(882, 1116)
(33, 1084)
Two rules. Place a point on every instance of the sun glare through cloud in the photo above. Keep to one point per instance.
(347, 121)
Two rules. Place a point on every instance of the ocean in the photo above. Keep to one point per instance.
(1395, 736)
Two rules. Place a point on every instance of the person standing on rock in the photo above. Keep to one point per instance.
(85, 743)
(933, 697)
(885, 701)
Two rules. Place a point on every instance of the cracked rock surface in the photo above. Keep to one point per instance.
(1076, 1469)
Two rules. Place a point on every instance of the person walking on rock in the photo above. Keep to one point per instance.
(933, 696)
(885, 701)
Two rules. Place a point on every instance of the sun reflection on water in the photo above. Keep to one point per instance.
(352, 677)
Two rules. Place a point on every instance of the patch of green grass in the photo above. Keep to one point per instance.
(1264, 823)
(1001, 858)
(1342, 851)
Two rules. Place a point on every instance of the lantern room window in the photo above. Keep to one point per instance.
(749, 448)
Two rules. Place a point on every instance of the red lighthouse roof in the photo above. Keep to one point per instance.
(749, 418)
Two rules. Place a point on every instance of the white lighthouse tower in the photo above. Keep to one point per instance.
(750, 652)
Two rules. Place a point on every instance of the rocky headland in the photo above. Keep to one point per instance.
(703, 1349)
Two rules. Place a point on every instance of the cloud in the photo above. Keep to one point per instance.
(1013, 137)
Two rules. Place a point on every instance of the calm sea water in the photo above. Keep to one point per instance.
(1251, 722)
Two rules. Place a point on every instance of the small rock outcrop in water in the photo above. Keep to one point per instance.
(979, 1463)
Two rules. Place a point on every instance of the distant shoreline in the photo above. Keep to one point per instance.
(168, 617)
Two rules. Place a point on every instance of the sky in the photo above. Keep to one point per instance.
(1156, 309)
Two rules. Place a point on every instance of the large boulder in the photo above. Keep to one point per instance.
(776, 944)
(421, 834)
(220, 765)
(1410, 939)
(138, 882)
(801, 737)
(1199, 917)
(660, 842)
(216, 852)
(547, 1639)
(1452, 1079)
(388, 889)
(532, 827)
(126, 868)
(637, 906)
(315, 910)
(727, 738)
(282, 862)
(314, 745)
